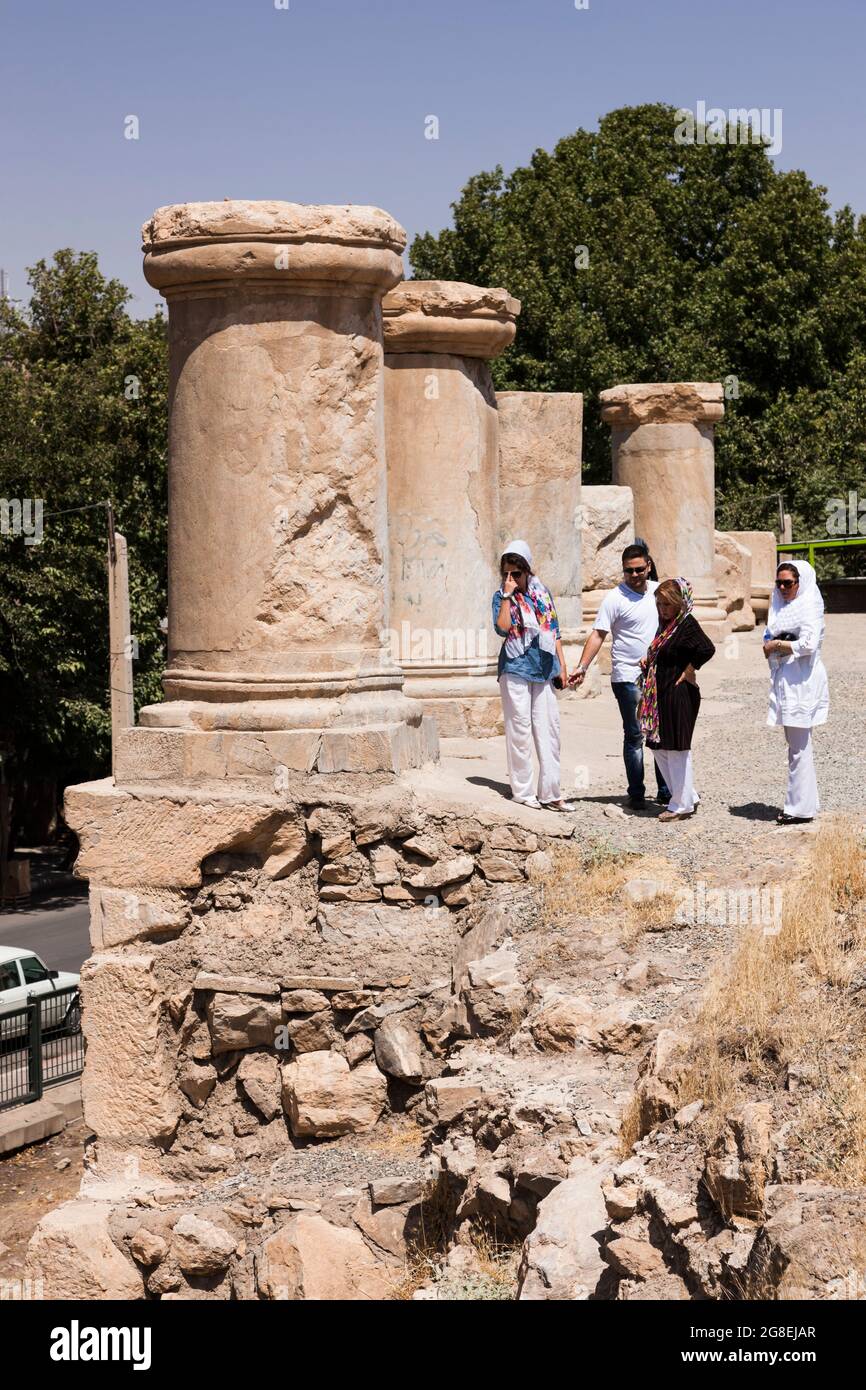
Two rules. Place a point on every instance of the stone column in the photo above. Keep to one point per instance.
(540, 450)
(442, 433)
(663, 450)
(607, 527)
(762, 545)
(277, 492)
(733, 571)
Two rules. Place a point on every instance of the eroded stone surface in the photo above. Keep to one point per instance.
(324, 1098)
(73, 1254)
(540, 453)
(733, 571)
(311, 1259)
(128, 1086)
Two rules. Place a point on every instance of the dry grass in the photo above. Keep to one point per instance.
(656, 913)
(498, 1262)
(630, 1128)
(427, 1251)
(405, 1139)
(581, 881)
(491, 1276)
(784, 998)
(584, 890)
(587, 881)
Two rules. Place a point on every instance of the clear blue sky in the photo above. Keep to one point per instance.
(325, 102)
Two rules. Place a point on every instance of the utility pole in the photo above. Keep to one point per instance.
(119, 638)
(121, 644)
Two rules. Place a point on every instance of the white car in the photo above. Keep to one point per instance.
(24, 976)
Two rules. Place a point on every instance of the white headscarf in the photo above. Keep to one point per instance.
(520, 548)
(807, 607)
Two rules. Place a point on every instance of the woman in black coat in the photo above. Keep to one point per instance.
(671, 699)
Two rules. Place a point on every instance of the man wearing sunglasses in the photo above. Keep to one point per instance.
(629, 614)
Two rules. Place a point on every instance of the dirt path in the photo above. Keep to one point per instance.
(32, 1182)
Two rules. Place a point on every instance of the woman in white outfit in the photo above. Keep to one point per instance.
(530, 661)
(799, 694)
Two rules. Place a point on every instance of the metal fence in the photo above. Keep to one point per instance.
(41, 1044)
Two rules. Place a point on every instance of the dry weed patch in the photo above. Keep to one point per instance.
(587, 881)
(793, 999)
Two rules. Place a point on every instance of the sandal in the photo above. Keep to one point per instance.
(561, 806)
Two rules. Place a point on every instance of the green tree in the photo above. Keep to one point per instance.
(83, 391)
(704, 263)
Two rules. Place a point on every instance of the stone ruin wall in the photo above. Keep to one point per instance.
(270, 971)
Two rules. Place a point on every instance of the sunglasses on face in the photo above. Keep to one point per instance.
(642, 569)
(513, 574)
(785, 583)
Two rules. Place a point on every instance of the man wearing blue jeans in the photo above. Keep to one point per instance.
(629, 614)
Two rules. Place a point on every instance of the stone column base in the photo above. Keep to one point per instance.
(714, 621)
(592, 601)
(193, 741)
(464, 706)
(573, 640)
(760, 602)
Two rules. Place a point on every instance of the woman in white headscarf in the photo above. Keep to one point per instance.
(531, 669)
(799, 694)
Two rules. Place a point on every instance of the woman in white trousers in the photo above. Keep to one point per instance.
(530, 660)
(799, 693)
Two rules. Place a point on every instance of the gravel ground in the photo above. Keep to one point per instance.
(740, 771)
(347, 1163)
(350, 1162)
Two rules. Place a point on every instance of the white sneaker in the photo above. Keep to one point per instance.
(529, 801)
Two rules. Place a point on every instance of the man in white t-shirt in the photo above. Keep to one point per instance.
(629, 614)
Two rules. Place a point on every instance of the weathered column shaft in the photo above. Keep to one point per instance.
(443, 493)
(277, 491)
(607, 527)
(540, 450)
(662, 436)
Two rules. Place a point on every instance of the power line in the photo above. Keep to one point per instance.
(90, 507)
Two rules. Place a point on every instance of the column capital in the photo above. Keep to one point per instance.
(662, 403)
(449, 316)
(199, 247)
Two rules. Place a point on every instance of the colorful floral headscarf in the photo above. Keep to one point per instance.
(532, 615)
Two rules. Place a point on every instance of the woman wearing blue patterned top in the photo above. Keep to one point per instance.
(530, 660)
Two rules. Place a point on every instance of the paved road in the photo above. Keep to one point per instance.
(55, 927)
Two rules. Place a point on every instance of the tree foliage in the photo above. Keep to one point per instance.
(703, 262)
(82, 419)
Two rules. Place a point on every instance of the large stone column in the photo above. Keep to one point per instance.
(442, 433)
(278, 540)
(540, 450)
(663, 450)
